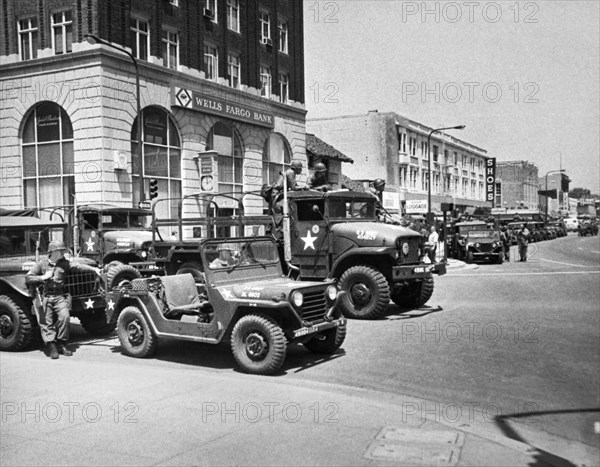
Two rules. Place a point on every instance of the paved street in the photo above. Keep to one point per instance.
(502, 354)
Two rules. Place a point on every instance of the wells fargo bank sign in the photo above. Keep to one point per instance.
(203, 103)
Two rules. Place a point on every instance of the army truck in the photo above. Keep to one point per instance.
(331, 235)
(24, 240)
(240, 295)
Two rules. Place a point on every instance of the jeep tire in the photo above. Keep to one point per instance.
(95, 324)
(415, 295)
(135, 335)
(327, 342)
(258, 344)
(15, 326)
(121, 274)
(469, 258)
(367, 293)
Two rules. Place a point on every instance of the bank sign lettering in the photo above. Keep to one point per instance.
(203, 103)
(490, 179)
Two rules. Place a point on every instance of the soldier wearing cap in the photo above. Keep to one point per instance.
(52, 273)
(318, 180)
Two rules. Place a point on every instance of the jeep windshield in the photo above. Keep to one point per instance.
(491, 234)
(240, 254)
(465, 229)
(355, 209)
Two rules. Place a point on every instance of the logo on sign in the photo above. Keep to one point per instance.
(184, 98)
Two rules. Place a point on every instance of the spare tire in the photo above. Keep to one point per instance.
(121, 275)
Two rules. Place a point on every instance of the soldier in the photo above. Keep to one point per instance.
(377, 189)
(291, 173)
(318, 180)
(505, 242)
(523, 242)
(54, 320)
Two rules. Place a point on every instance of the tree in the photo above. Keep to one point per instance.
(579, 193)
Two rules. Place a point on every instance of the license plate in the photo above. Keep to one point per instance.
(316, 328)
(423, 269)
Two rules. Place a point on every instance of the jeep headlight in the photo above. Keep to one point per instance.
(144, 254)
(477, 245)
(297, 298)
(332, 292)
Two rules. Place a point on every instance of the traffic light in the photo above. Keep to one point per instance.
(153, 188)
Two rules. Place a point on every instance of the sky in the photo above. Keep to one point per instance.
(523, 76)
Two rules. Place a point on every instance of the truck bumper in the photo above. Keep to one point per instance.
(316, 328)
(421, 271)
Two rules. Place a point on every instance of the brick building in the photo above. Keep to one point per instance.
(554, 191)
(221, 85)
(392, 147)
(516, 185)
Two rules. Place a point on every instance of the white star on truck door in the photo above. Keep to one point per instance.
(309, 241)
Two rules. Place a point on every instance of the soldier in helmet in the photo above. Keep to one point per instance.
(290, 174)
(52, 273)
(378, 188)
(318, 180)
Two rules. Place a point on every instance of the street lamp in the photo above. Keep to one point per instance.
(546, 190)
(458, 127)
(95, 39)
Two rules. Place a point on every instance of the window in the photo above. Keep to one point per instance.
(283, 37)
(265, 81)
(233, 64)
(276, 158)
(233, 15)
(48, 162)
(435, 153)
(265, 27)
(62, 32)
(223, 139)
(170, 49)
(413, 146)
(211, 62)
(446, 157)
(284, 87)
(161, 158)
(210, 10)
(28, 38)
(139, 38)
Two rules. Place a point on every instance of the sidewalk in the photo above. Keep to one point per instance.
(133, 413)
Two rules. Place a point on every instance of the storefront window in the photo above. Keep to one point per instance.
(276, 157)
(48, 165)
(161, 159)
(223, 139)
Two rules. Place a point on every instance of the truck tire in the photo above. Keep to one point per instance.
(258, 344)
(15, 326)
(414, 295)
(195, 269)
(120, 275)
(327, 342)
(136, 337)
(367, 293)
(95, 324)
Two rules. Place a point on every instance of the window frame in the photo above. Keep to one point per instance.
(139, 33)
(264, 24)
(166, 44)
(233, 6)
(266, 91)
(282, 26)
(284, 87)
(231, 67)
(32, 34)
(214, 58)
(65, 26)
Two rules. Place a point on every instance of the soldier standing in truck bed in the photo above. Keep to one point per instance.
(318, 180)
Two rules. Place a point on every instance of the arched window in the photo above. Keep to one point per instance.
(161, 158)
(223, 139)
(276, 157)
(48, 165)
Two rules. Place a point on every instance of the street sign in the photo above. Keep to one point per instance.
(145, 205)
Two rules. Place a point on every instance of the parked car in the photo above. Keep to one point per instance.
(572, 224)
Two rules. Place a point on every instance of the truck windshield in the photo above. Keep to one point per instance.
(351, 209)
(240, 253)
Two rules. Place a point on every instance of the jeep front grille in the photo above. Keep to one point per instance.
(414, 247)
(314, 306)
(81, 284)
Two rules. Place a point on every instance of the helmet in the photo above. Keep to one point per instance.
(320, 167)
(56, 245)
(297, 166)
(379, 183)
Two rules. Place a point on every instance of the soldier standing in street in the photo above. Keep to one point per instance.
(318, 180)
(54, 319)
(523, 242)
(505, 243)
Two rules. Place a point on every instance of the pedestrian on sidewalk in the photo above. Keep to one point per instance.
(433, 241)
(56, 302)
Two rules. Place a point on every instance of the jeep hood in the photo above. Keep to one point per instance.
(280, 288)
(373, 233)
(126, 239)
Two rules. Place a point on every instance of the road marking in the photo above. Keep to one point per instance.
(524, 273)
(566, 264)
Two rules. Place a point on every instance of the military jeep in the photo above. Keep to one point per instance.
(484, 245)
(240, 295)
(23, 240)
